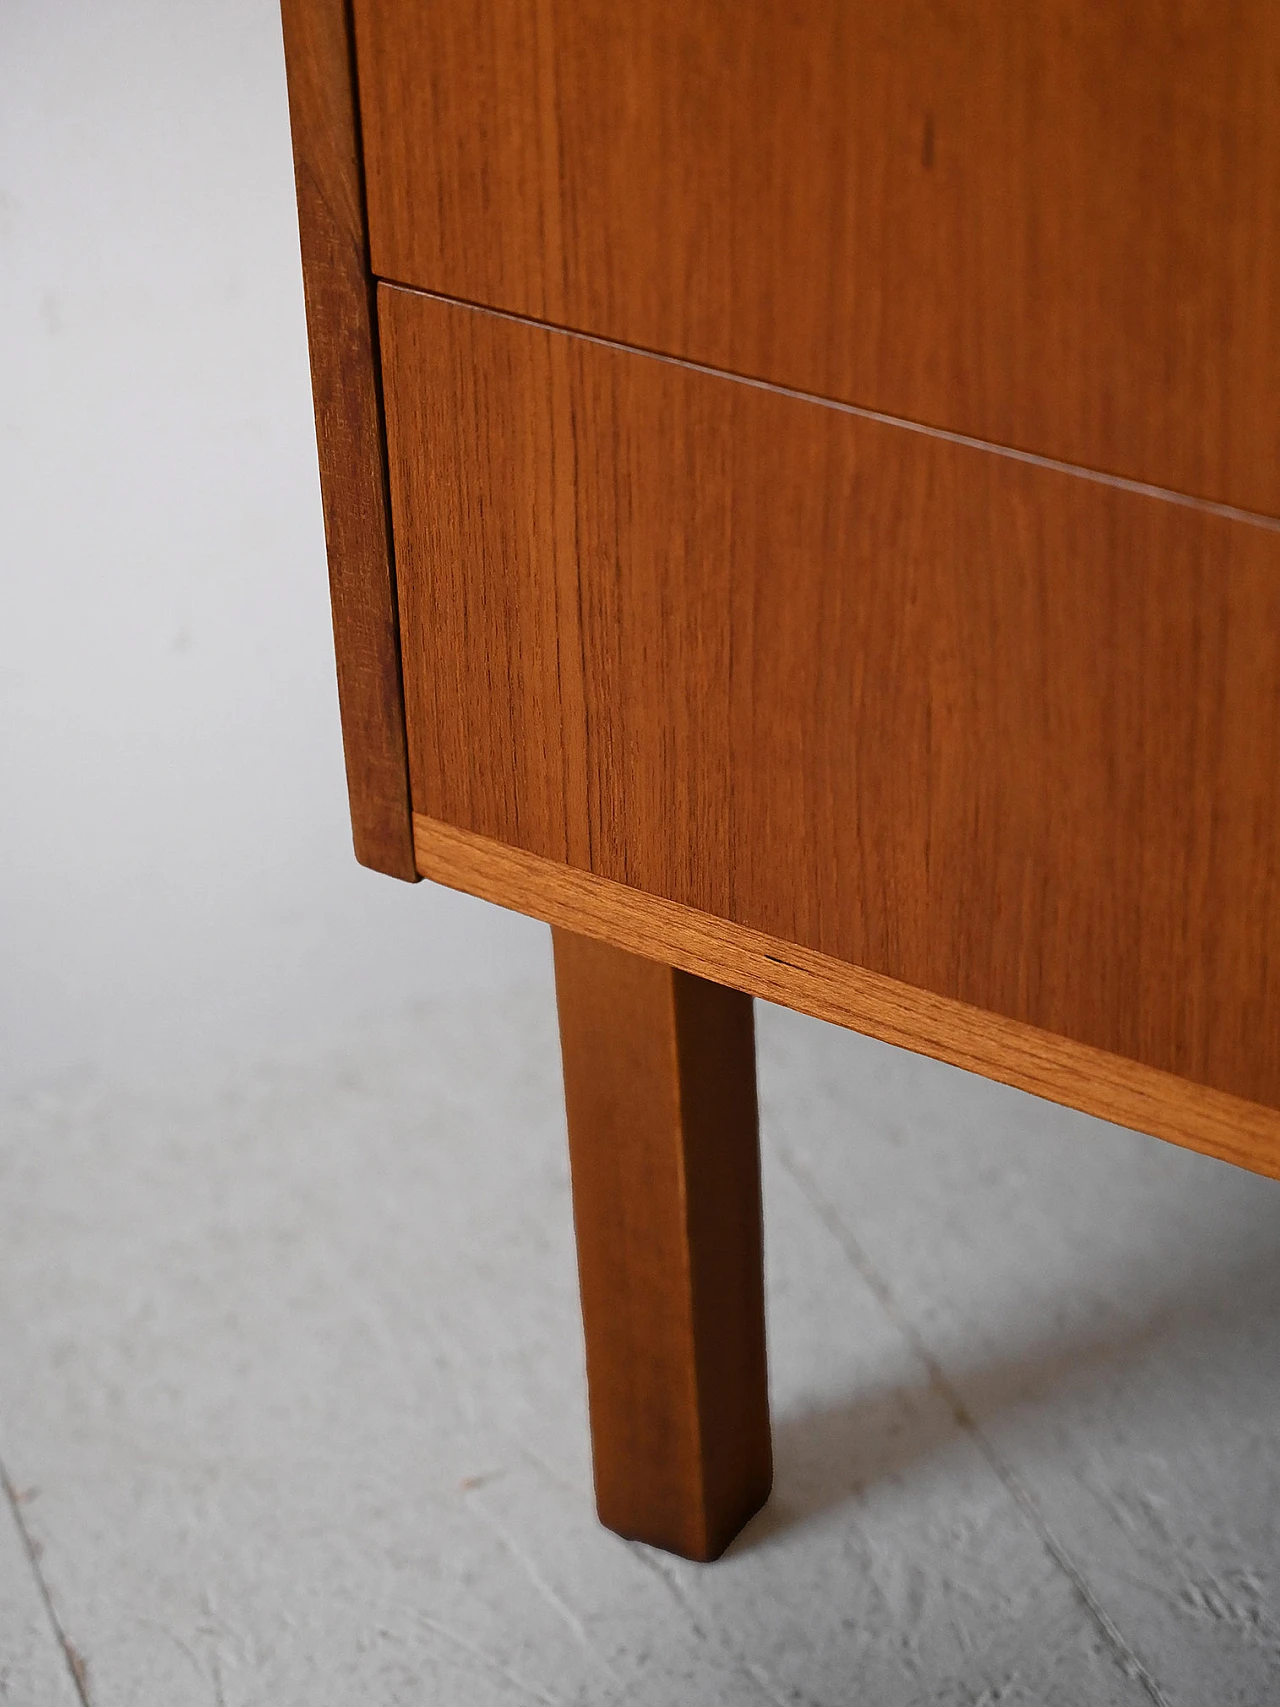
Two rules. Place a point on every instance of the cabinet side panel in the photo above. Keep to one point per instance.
(992, 730)
(345, 381)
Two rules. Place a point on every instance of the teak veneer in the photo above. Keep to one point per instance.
(347, 385)
(802, 490)
(1143, 1098)
(1054, 226)
(994, 730)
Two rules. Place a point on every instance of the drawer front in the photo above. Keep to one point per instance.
(1052, 226)
(1004, 733)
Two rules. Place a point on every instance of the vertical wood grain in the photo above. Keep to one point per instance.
(1054, 226)
(660, 1093)
(345, 381)
(995, 731)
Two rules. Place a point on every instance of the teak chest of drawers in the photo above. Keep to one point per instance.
(801, 487)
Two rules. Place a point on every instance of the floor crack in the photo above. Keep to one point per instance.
(74, 1659)
(1129, 1661)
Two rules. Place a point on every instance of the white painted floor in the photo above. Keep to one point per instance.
(291, 1395)
(293, 1408)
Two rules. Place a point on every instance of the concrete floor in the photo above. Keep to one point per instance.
(293, 1400)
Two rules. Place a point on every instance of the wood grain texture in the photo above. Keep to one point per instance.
(1002, 733)
(1054, 226)
(1073, 1074)
(660, 1093)
(341, 309)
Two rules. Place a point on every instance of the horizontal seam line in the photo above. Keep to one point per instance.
(1055, 465)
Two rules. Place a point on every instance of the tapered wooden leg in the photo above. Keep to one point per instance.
(660, 1088)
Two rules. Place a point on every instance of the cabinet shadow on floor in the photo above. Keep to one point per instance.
(831, 1453)
(1148, 1319)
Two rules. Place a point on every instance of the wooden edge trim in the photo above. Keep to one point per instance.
(1074, 1074)
(350, 434)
